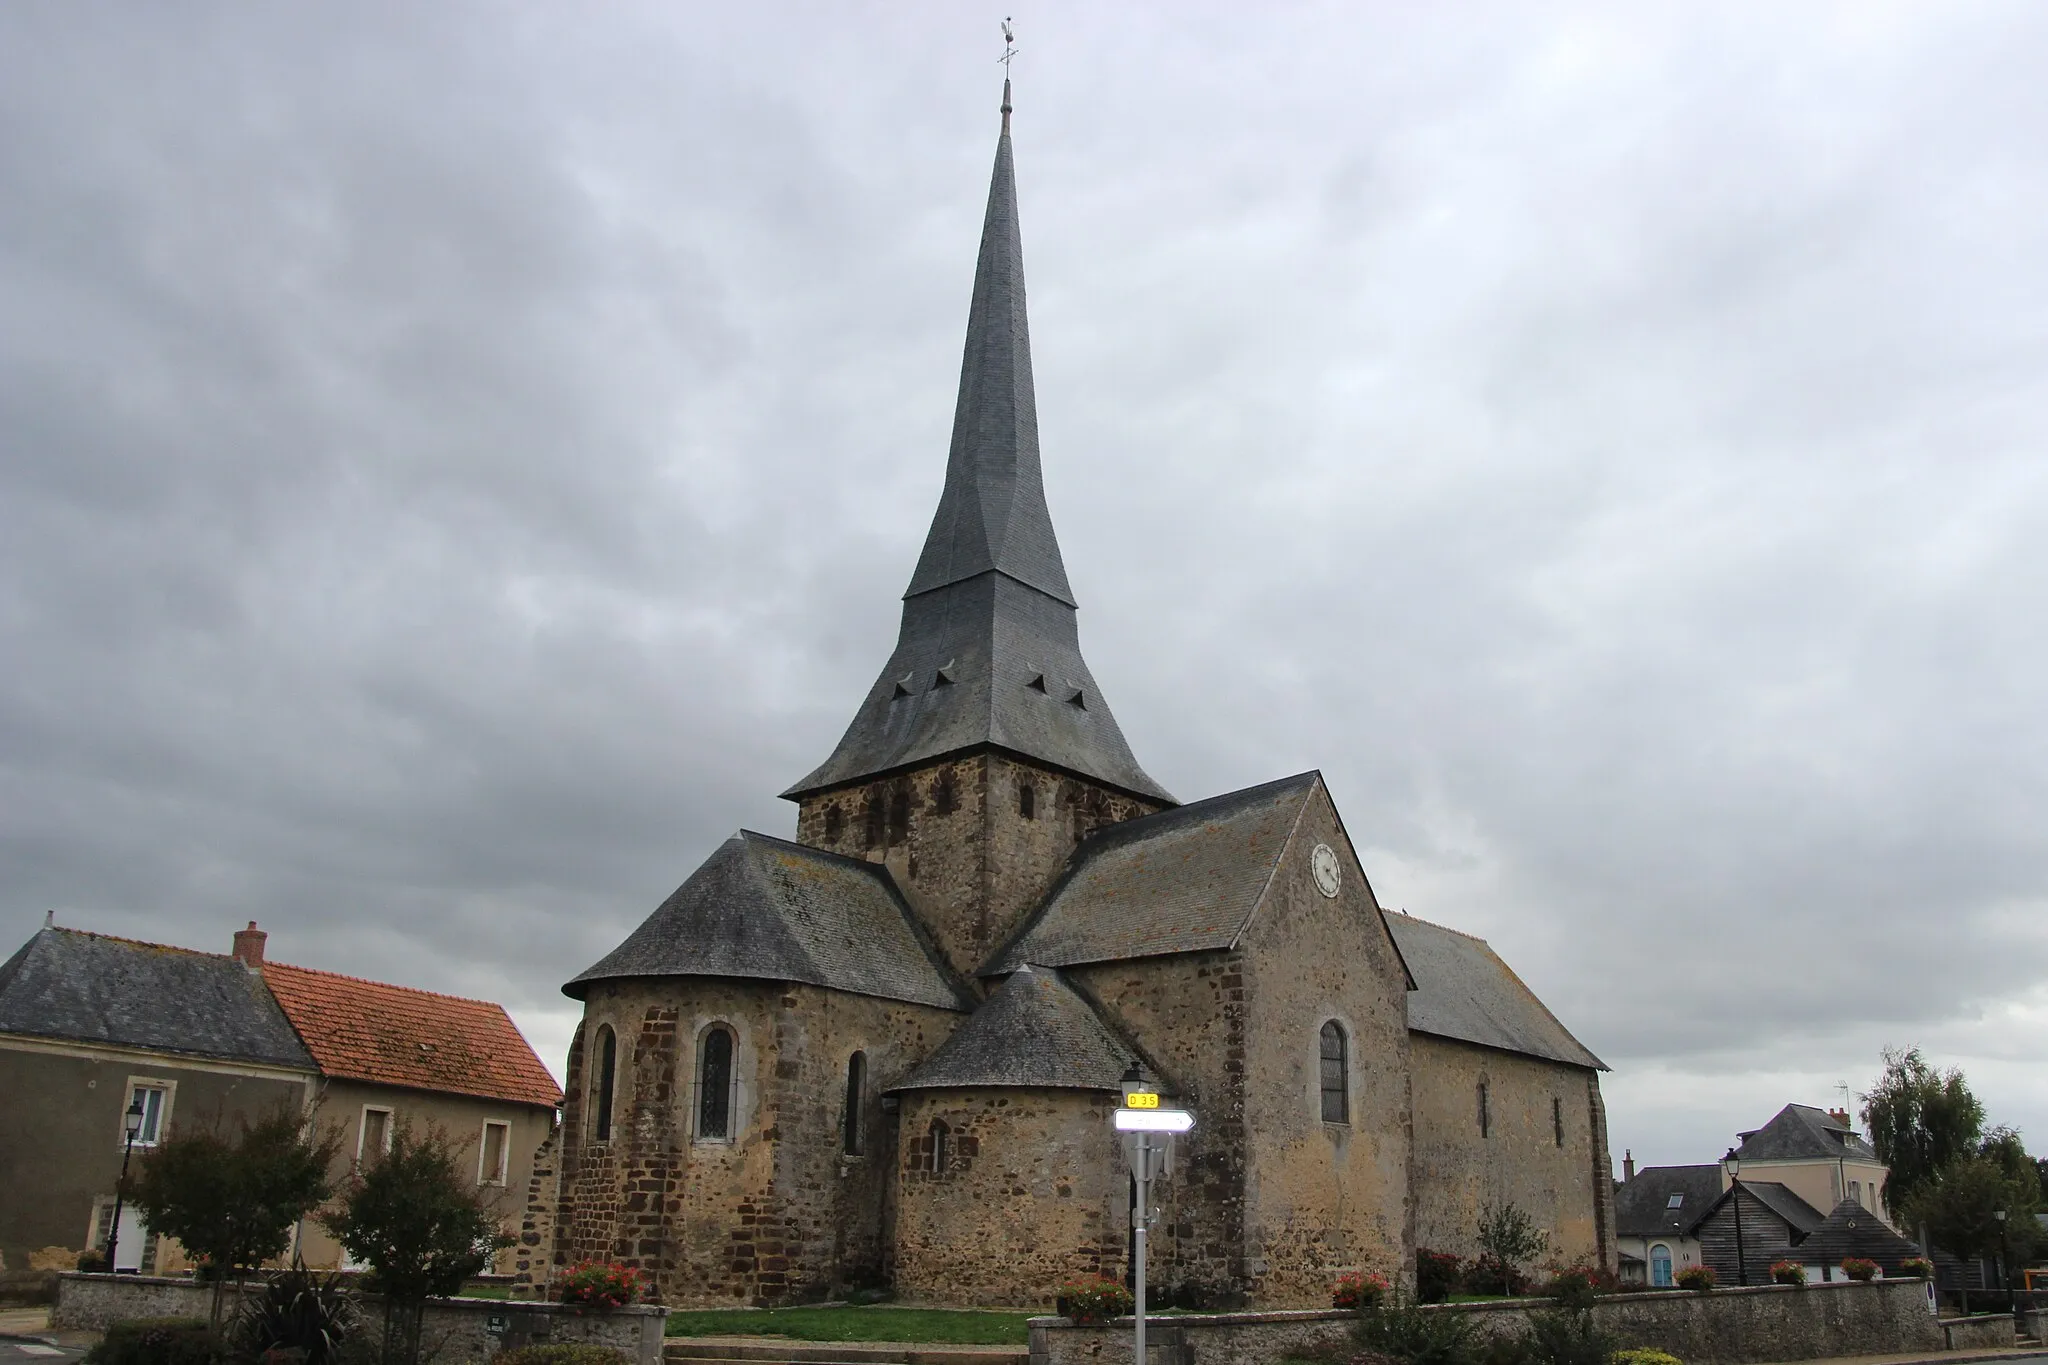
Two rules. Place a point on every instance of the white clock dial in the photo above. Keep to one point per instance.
(1329, 872)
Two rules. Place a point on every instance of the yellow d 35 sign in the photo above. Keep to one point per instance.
(1141, 1099)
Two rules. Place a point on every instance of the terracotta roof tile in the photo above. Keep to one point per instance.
(394, 1035)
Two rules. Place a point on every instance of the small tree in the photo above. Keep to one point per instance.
(421, 1227)
(1961, 1210)
(1508, 1239)
(1921, 1122)
(231, 1193)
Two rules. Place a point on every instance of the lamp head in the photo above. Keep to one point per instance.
(134, 1117)
(1732, 1164)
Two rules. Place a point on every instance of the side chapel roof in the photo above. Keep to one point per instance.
(1465, 992)
(95, 988)
(398, 1035)
(1800, 1132)
(989, 654)
(1034, 1030)
(1181, 881)
(768, 909)
(1852, 1230)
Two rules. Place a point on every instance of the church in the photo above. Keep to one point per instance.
(886, 1052)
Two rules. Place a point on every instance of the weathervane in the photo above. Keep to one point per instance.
(1009, 54)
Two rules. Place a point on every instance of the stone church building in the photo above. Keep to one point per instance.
(887, 1051)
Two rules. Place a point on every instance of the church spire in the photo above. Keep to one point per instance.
(990, 655)
(992, 514)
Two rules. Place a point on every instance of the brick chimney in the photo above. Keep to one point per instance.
(1840, 1116)
(249, 947)
(1628, 1165)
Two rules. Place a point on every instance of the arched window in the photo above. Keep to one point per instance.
(941, 1144)
(871, 832)
(1557, 1120)
(942, 795)
(856, 1081)
(1660, 1266)
(1336, 1075)
(1027, 800)
(1485, 1112)
(835, 822)
(607, 1072)
(714, 1083)
(899, 817)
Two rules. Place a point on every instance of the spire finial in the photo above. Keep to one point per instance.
(1009, 53)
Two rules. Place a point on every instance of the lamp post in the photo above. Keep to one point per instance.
(1732, 1164)
(1143, 1119)
(2005, 1264)
(132, 1125)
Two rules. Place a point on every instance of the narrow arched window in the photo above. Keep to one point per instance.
(1027, 800)
(941, 1140)
(714, 1084)
(942, 795)
(899, 817)
(1336, 1075)
(871, 815)
(835, 822)
(607, 1073)
(1485, 1112)
(1557, 1120)
(856, 1081)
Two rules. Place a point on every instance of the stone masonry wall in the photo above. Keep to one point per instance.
(1518, 1158)
(1034, 1191)
(1324, 1197)
(773, 1213)
(1189, 1014)
(533, 1254)
(954, 833)
(1726, 1327)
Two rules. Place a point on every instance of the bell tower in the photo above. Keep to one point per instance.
(984, 752)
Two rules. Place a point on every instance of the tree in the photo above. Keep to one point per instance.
(1961, 1209)
(231, 1193)
(1921, 1122)
(421, 1227)
(1508, 1237)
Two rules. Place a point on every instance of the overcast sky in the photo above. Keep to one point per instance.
(459, 462)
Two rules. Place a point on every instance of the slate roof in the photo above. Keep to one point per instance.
(1800, 1132)
(94, 988)
(1181, 881)
(989, 652)
(1034, 1030)
(768, 909)
(1464, 991)
(395, 1035)
(1642, 1206)
(1852, 1230)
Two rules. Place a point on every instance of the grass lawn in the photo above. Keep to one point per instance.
(879, 1322)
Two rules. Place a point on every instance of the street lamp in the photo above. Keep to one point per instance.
(133, 1127)
(1732, 1164)
(2005, 1263)
(1141, 1117)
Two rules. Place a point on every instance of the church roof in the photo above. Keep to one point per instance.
(1800, 1132)
(767, 909)
(1035, 1030)
(1181, 881)
(94, 988)
(1464, 991)
(989, 653)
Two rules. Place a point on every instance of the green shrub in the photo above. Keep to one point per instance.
(561, 1353)
(154, 1341)
(300, 1312)
(1408, 1334)
(1567, 1336)
(1643, 1355)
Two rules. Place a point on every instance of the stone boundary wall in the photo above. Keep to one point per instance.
(1725, 1327)
(455, 1330)
(1991, 1333)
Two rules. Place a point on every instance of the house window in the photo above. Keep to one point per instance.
(714, 1084)
(1335, 1077)
(856, 1081)
(1660, 1266)
(490, 1166)
(154, 1098)
(1676, 1201)
(607, 1071)
(1557, 1119)
(373, 1134)
(941, 1142)
(1027, 800)
(1485, 1114)
(1856, 1191)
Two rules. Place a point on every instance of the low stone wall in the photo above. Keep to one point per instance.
(454, 1330)
(1726, 1327)
(1993, 1333)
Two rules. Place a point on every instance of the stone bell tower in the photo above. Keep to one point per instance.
(984, 752)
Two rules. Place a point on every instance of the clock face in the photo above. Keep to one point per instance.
(1329, 872)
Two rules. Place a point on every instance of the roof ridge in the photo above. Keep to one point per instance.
(387, 985)
(1484, 943)
(131, 942)
(1279, 857)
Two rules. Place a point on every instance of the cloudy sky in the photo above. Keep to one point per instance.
(458, 462)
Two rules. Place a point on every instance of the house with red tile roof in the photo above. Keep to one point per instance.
(90, 1023)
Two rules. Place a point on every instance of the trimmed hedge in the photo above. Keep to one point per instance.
(154, 1341)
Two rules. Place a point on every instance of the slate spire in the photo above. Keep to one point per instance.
(992, 515)
(990, 654)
